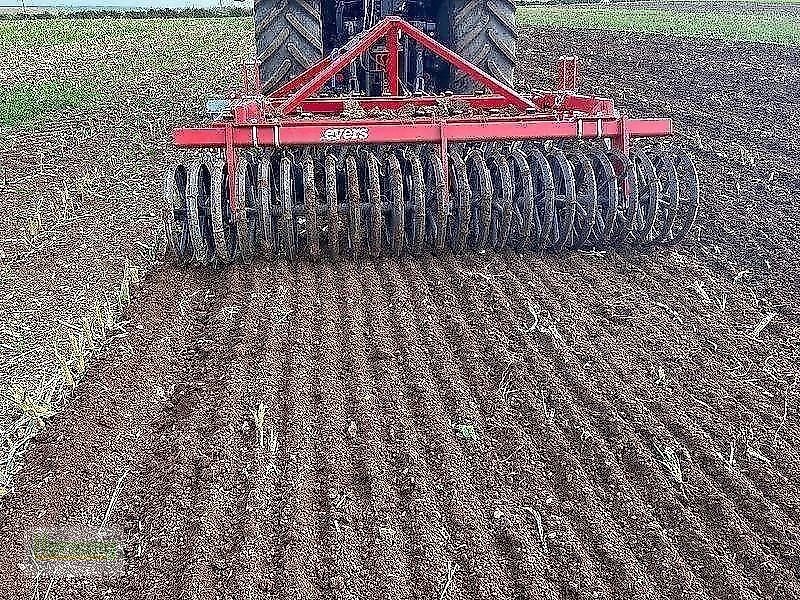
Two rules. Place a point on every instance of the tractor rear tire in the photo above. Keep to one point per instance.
(288, 39)
(484, 32)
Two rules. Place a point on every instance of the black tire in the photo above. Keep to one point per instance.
(484, 32)
(288, 39)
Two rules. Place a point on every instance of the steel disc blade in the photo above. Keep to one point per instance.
(268, 200)
(688, 198)
(503, 205)
(523, 214)
(414, 195)
(568, 223)
(176, 218)
(222, 218)
(395, 192)
(648, 197)
(545, 223)
(310, 199)
(627, 193)
(247, 216)
(375, 223)
(590, 215)
(608, 220)
(461, 203)
(198, 203)
(286, 195)
(437, 202)
(480, 184)
(332, 192)
(667, 198)
(353, 194)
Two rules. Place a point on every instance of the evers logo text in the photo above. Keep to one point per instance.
(344, 134)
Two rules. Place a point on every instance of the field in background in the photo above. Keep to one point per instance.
(25, 98)
(716, 24)
(593, 425)
(45, 62)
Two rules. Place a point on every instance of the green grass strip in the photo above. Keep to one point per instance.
(752, 27)
(45, 33)
(23, 103)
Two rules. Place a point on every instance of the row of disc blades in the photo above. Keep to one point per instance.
(394, 200)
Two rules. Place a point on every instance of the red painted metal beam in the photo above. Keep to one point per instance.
(230, 158)
(301, 79)
(393, 62)
(389, 103)
(298, 133)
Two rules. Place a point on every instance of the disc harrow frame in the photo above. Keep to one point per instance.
(296, 172)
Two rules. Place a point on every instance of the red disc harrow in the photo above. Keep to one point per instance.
(301, 173)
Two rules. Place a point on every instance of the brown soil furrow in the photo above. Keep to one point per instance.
(430, 548)
(516, 528)
(767, 554)
(459, 460)
(88, 448)
(497, 320)
(252, 384)
(732, 419)
(762, 515)
(221, 496)
(712, 345)
(224, 526)
(767, 508)
(744, 543)
(430, 461)
(752, 414)
(533, 343)
(385, 555)
(168, 503)
(346, 502)
(734, 496)
(573, 568)
(646, 528)
(722, 341)
(299, 461)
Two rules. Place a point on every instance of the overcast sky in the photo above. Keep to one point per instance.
(123, 3)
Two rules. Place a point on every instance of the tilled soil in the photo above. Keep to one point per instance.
(579, 426)
(508, 417)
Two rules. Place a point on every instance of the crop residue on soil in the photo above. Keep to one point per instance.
(492, 426)
(528, 434)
